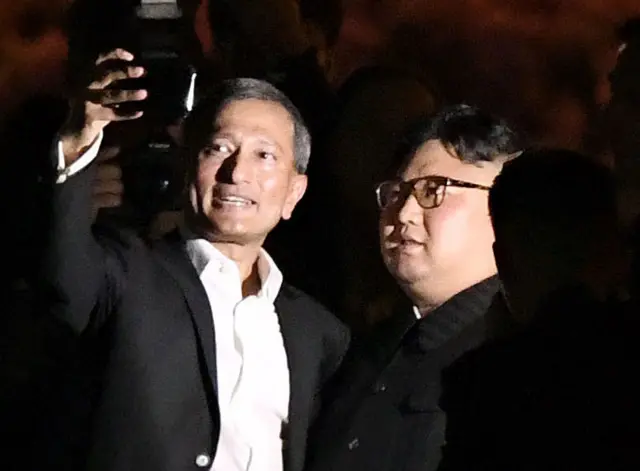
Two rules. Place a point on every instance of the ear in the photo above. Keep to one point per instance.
(297, 188)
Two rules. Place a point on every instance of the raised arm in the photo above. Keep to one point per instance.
(84, 273)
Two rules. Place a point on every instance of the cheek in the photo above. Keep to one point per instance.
(200, 187)
(206, 177)
(386, 226)
(273, 191)
(462, 228)
(443, 222)
(450, 228)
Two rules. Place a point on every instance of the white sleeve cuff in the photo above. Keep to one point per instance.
(83, 161)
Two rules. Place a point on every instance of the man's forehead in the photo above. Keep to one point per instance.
(253, 109)
(260, 117)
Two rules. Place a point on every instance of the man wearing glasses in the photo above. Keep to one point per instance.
(436, 239)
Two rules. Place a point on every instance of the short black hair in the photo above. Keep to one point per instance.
(472, 135)
(629, 31)
(553, 200)
(200, 121)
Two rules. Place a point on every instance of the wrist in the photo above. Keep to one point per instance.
(75, 143)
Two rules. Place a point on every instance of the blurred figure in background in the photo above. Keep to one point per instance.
(554, 393)
(623, 115)
(622, 128)
(287, 42)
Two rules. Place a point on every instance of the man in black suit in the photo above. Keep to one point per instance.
(436, 239)
(209, 360)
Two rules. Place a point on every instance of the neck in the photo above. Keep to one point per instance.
(429, 295)
(246, 258)
(245, 255)
(425, 306)
(427, 300)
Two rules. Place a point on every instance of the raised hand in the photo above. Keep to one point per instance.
(99, 104)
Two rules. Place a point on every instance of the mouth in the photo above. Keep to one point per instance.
(232, 201)
(405, 245)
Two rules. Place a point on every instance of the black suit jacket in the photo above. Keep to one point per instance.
(151, 340)
(383, 412)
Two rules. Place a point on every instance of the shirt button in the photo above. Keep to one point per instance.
(353, 444)
(203, 460)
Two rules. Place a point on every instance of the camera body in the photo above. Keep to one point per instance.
(152, 173)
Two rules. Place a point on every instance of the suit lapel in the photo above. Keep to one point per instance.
(295, 343)
(176, 262)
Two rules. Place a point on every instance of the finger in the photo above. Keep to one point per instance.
(108, 172)
(114, 97)
(116, 54)
(102, 113)
(108, 187)
(107, 153)
(108, 76)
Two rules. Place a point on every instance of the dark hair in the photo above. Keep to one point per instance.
(199, 124)
(554, 200)
(629, 30)
(472, 134)
(326, 14)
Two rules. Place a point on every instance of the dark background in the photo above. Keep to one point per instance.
(542, 63)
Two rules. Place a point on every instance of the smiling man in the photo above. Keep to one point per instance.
(382, 413)
(208, 359)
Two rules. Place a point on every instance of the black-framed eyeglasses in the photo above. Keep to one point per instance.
(429, 191)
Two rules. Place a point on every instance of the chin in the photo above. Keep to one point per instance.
(227, 230)
(406, 273)
(228, 237)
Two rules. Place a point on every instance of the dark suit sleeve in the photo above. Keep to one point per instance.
(82, 272)
(336, 346)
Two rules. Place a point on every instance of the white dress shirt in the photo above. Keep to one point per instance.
(251, 361)
(253, 373)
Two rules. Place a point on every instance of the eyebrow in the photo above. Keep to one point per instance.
(269, 142)
(260, 137)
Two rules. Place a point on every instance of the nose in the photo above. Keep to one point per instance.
(410, 212)
(236, 168)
